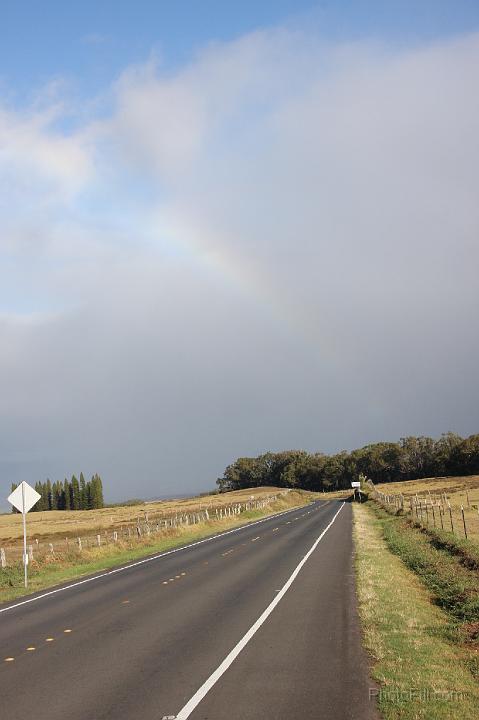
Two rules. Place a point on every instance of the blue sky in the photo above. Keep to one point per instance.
(89, 43)
(227, 228)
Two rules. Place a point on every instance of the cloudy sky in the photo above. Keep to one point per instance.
(227, 228)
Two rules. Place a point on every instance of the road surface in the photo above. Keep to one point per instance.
(256, 623)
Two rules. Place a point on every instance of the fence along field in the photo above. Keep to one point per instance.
(450, 504)
(57, 532)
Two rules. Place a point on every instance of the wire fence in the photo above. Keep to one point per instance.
(150, 524)
(433, 510)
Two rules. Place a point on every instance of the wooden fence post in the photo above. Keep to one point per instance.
(450, 517)
(464, 522)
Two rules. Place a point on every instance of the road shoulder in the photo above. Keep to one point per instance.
(420, 673)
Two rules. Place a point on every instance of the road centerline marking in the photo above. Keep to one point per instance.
(149, 559)
(194, 701)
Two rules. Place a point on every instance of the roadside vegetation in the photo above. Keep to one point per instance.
(70, 565)
(418, 594)
(450, 505)
(58, 524)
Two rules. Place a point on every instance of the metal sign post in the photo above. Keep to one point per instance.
(23, 498)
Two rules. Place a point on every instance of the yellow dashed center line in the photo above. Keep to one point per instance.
(125, 602)
(227, 552)
(32, 648)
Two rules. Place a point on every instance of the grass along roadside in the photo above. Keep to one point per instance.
(447, 566)
(71, 565)
(421, 669)
(450, 503)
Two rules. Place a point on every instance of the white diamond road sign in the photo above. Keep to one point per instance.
(24, 497)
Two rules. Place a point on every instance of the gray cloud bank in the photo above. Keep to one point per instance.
(275, 247)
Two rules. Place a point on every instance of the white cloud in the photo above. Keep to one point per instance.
(33, 155)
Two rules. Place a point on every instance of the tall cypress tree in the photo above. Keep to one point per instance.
(66, 494)
(93, 493)
(44, 494)
(49, 495)
(54, 496)
(89, 496)
(101, 501)
(75, 494)
(83, 493)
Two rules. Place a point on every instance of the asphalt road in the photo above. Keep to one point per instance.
(259, 623)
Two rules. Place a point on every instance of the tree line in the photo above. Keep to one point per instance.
(71, 494)
(409, 459)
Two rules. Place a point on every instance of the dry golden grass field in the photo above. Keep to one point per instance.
(459, 491)
(456, 488)
(49, 526)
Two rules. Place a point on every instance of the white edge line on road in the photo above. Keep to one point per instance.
(186, 711)
(146, 560)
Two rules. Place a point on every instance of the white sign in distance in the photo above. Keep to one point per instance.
(24, 497)
(356, 484)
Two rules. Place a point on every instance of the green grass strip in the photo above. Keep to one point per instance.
(421, 672)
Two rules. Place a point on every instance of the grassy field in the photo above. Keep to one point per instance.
(70, 564)
(423, 657)
(459, 491)
(48, 526)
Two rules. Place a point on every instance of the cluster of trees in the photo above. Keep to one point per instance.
(410, 458)
(71, 494)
